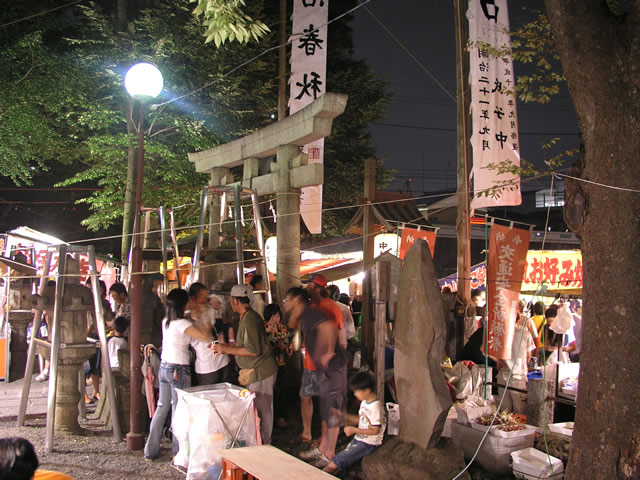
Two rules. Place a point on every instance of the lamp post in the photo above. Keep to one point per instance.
(143, 82)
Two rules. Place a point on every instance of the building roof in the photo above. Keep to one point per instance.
(389, 211)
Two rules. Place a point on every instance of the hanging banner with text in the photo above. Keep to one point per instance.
(308, 82)
(506, 266)
(410, 235)
(494, 137)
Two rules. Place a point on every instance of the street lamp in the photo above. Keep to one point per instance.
(143, 82)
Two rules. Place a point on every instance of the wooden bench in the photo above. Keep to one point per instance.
(266, 463)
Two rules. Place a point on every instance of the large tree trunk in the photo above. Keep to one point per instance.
(600, 55)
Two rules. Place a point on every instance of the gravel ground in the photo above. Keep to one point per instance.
(92, 455)
(95, 455)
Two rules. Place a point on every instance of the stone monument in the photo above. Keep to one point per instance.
(420, 335)
(420, 339)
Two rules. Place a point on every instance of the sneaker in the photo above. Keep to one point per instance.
(43, 377)
(310, 455)
(321, 461)
(149, 459)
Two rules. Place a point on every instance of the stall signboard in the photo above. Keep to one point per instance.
(554, 271)
(385, 242)
(410, 235)
(34, 245)
(505, 269)
(478, 276)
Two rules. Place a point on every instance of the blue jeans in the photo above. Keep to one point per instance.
(171, 376)
(355, 451)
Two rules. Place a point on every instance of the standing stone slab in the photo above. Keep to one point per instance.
(419, 347)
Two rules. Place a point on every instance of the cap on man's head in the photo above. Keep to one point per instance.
(241, 291)
(318, 279)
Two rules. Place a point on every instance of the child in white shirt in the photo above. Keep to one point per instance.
(118, 341)
(370, 423)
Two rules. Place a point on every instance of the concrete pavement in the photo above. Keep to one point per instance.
(11, 393)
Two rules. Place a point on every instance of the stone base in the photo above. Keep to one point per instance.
(398, 459)
(122, 390)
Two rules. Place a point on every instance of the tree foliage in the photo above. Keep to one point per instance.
(226, 20)
(65, 79)
(532, 46)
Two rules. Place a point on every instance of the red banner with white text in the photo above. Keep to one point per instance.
(410, 235)
(506, 265)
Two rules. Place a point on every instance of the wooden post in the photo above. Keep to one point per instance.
(383, 276)
(462, 223)
(282, 62)
(368, 230)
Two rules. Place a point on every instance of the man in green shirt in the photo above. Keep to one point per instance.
(253, 352)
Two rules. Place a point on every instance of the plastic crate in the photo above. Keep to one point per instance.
(494, 454)
(533, 463)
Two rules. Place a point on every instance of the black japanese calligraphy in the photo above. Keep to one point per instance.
(310, 41)
(309, 87)
(490, 9)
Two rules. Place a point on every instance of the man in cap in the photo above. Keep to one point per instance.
(254, 356)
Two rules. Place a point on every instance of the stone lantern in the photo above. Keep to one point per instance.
(19, 312)
(74, 348)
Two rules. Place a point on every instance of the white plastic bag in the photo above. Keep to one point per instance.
(202, 430)
(562, 323)
(393, 421)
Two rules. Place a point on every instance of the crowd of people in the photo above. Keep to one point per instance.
(199, 345)
(537, 341)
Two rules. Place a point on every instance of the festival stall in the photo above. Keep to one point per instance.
(24, 250)
(501, 441)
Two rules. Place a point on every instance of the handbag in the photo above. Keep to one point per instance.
(244, 376)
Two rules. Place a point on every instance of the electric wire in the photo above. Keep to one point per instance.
(408, 52)
(613, 187)
(39, 14)
(280, 215)
(293, 37)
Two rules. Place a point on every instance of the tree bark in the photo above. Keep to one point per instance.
(122, 15)
(600, 55)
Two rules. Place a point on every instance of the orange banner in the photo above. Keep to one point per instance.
(506, 265)
(410, 235)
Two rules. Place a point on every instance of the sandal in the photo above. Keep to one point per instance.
(281, 423)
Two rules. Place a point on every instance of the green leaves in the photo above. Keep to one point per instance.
(225, 20)
(541, 72)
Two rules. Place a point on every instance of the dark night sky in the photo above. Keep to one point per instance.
(417, 135)
(420, 131)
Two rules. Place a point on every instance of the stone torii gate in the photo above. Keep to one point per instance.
(285, 177)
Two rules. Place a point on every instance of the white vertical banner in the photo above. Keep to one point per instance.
(494, 119)
(308, 82)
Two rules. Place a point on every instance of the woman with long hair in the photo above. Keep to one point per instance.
(175, 371)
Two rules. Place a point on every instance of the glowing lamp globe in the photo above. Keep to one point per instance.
(143, 81)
